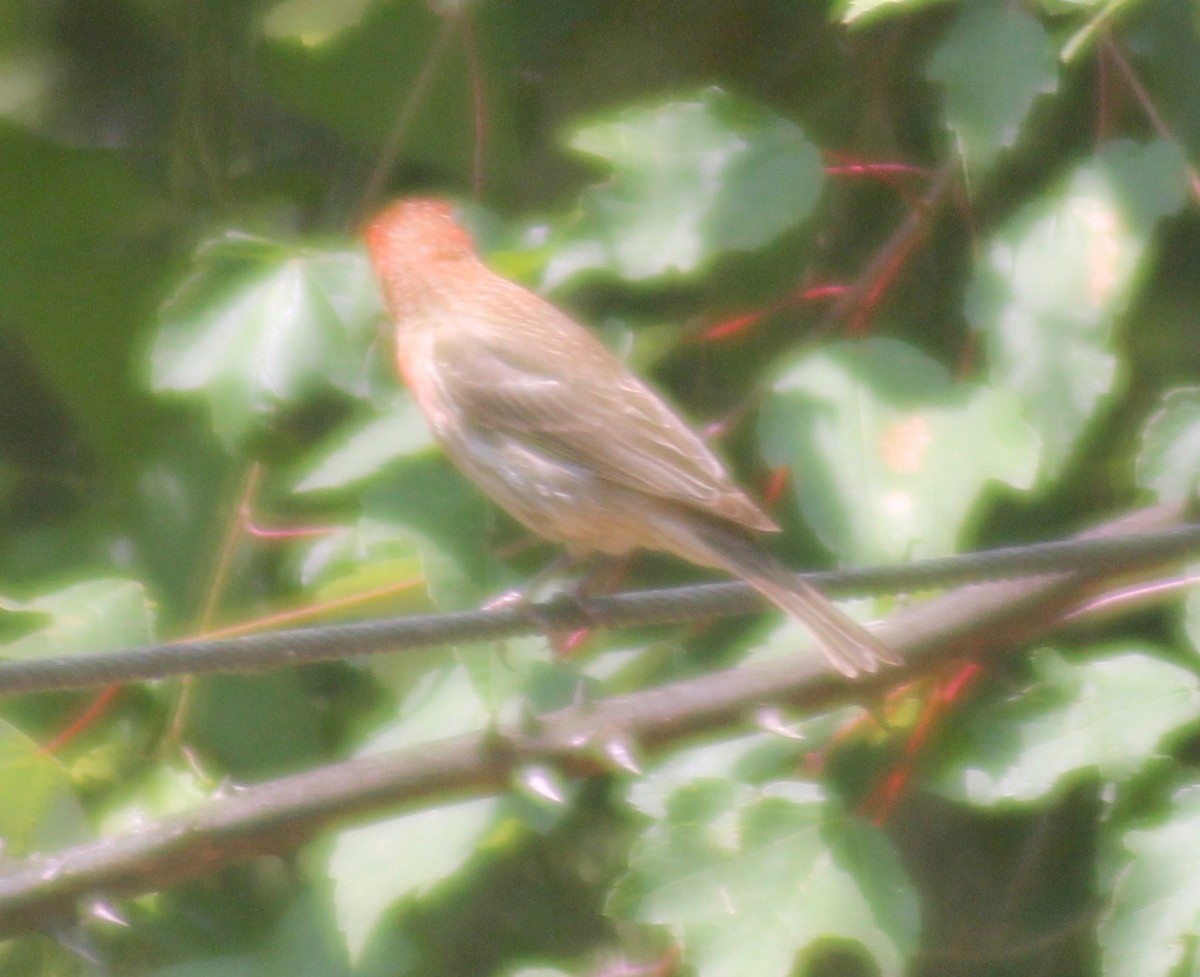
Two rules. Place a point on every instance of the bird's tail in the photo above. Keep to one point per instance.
(850, 647)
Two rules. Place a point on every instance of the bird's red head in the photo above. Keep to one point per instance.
(416, 231)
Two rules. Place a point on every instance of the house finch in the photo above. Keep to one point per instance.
(541, 416)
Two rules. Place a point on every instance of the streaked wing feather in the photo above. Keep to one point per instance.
(570, 405)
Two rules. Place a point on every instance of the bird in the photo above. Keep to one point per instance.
(535, 410)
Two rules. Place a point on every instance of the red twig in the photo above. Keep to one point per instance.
(776, 486)
(738, 324)
(842, 164)
(861, 299)
(95, 709)
(858, 301)
(296, 532)
(882, 800)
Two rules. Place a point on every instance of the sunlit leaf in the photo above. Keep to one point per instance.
(1169, 460)
(1105, 717)
(746, 881)
(94, 616)
(312, 22)
(425, 498)
(260, 324)
(1055, 277)
(888, 456)
(367, 554)
(691, 178)
(38, 808)
(730, 759)
(1152, 920)
(352, 456)
(858, 12)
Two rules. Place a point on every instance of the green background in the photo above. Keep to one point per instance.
(190, 352)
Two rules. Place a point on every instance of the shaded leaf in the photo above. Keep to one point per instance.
(257, 725)
(992, 64)
(358, 78)
(374, 867)
(83, 261)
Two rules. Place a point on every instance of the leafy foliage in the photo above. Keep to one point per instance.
(203, 428)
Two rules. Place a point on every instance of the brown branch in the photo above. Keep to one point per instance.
(277, 816)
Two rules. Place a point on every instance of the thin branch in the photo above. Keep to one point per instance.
(1157, 122)
(478, 105)
(404, 118)
(278, 816)
(858, 301)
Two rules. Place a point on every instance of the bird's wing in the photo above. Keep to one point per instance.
(574, 401)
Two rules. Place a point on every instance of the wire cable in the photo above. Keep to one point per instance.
(282, 649)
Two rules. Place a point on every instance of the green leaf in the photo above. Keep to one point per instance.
(427, 498)
(312, 23)
(301, 943)
(374, 867)
(1054, 279)
(259, 325)
(746, 881)
(97, 615)
(691, 178)
(28, 71)
(861, 12)
(724, 760)
(888, 455)
(1152, 922)
(38, 809)
(84, 252)
(221, 965)
(257, 725)
(1108, 716)
(363, 556)
(992, 64)
(1169, 459)
(159, 791)
(357, 454)
(1191, 609)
